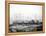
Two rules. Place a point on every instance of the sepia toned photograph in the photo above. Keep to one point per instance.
(25, 18)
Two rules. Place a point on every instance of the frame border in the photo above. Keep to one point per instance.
(25, 3)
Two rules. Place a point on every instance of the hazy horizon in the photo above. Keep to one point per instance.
(25, 12)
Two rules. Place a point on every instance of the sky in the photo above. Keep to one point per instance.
(25, 12)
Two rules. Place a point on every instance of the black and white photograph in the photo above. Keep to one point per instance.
(25, 18)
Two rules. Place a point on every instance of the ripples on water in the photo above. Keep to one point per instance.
(25, 28)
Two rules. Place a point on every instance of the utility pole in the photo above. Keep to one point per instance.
(35, 22)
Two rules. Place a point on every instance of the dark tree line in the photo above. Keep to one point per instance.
(29, 22)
